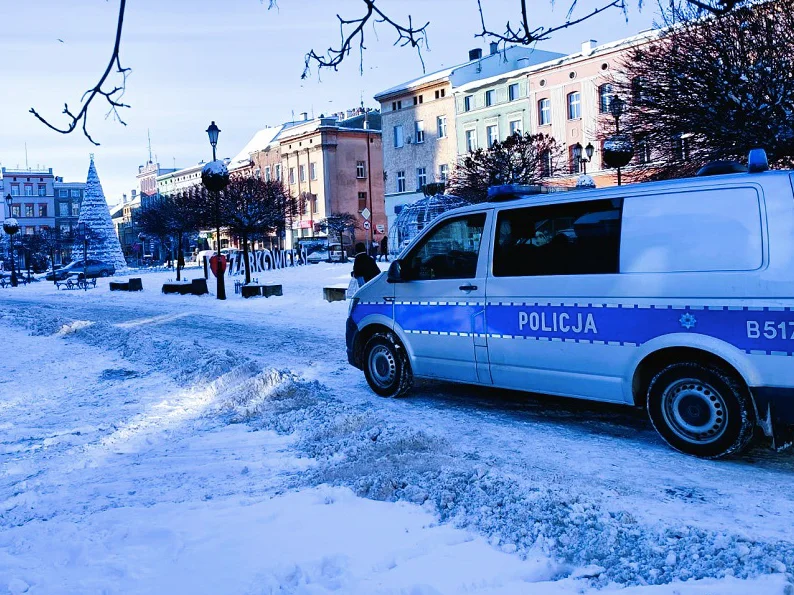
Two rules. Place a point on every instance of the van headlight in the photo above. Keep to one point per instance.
(353, 302)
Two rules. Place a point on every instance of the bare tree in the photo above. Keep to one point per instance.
(172, 217)
(339, 224)
(713, 89)
(521, 159)
(524, 30)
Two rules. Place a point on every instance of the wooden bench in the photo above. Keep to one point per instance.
(335, 294)
(268, 290)
(76, 282)
(195, 287)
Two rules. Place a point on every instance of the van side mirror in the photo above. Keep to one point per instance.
(395, 274)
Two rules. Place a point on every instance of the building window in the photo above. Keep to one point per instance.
(75, 209)
(63, 209)
(313, 170)
(574, 106)
(75, 193)
(399, 140)
(267, 173)
(546, 164)
(680, 148)
(16, 210)
(42, 210)
(471, 140)
(605, 94)
(639, 90)
(291, 175)
(421, 177)
(489, 98)
(302, 173)
(63, 193)
(401, 181)
(442, 126)
(66, 230)
(440, 93)
(443, 172)
(42, 190)
(512, 92)
(516, 128)
(278, 173)
(467, 101)
(28, 189)
(417, 99)
(362, 201)
(28, 210)
(419, 130)
(575, 165)
(14, 189)
(643, 151)
(492, 135)
(396, 105)
(544, 240)
(361, 169)
(544, 112)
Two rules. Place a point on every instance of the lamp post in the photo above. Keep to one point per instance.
(577, 155)
(82, 231)
(215, 177)
(620, 150)
(11, 226)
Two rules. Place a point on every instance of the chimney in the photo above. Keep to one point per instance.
(588, 47)
(494, 47)
(134, 194)
(305, 116)
(522, 62)
(124, 199)
(475, 54)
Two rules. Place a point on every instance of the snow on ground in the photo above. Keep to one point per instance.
(162, 444)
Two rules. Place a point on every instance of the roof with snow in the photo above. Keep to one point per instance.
(259, 142)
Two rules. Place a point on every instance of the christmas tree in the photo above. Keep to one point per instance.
(103, 243)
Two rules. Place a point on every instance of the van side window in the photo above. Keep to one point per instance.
(449, 251)
(703, 230)
(580, 238)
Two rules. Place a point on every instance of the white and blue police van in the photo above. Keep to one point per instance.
(675, 296)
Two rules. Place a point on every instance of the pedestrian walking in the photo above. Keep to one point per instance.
(384, 249)
(364, 266)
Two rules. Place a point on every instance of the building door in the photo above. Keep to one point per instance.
(441, 304)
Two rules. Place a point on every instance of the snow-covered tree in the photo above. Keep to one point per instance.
(712, 89)
(103, 243)
(519, 159)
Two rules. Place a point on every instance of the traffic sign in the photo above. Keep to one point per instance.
(366, 213)
(366, 225)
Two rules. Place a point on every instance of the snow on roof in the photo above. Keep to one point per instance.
(259, 142)
(423, 80)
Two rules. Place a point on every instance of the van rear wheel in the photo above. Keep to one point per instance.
(701, 410)
(386, 366)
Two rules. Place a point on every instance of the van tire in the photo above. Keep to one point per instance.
(701, 409)
(386, 366)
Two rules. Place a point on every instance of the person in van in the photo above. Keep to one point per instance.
(674, 296)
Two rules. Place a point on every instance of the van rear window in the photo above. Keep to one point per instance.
(708, 230)
(581, 238)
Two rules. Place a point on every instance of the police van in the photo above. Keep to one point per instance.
(675, 296)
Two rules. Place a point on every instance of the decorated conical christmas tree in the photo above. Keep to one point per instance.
(103, 243)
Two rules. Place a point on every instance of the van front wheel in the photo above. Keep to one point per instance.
(386, 366)
(701, 410)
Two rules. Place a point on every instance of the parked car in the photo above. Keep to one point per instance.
(672, 296)
(93, 269)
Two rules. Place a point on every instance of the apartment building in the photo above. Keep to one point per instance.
(420, 133)
(32, 198)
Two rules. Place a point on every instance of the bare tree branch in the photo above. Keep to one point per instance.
(112, 96)
(407, 35)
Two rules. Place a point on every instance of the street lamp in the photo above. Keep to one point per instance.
(81, 230)
(11, 226)
(618, 150)
(215, 177)
(577, 155)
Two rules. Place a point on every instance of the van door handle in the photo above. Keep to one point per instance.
(468, 288)
(388, 298)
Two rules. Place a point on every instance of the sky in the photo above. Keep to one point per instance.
(235, 62)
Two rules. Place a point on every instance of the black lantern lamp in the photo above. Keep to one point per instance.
(618, 150)
(11, 226)
(213, 132)
(577, 155)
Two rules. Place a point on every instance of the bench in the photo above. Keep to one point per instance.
(134, 284)
(195, 287)
(335, 294)
(268, 290)
(76, 283)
